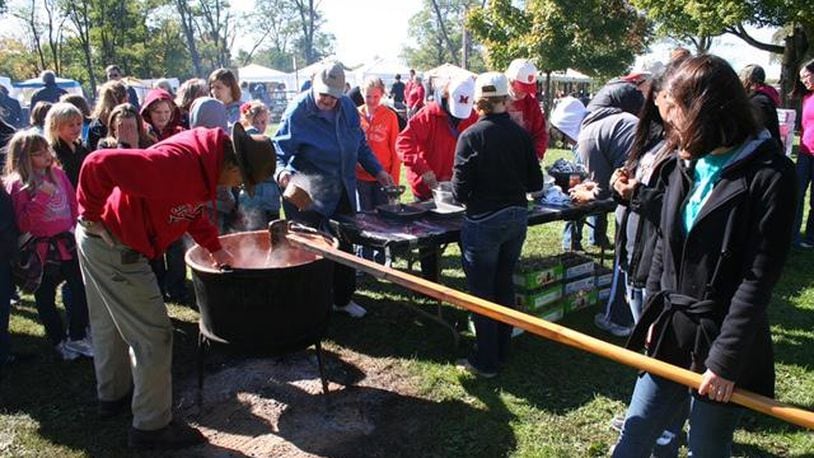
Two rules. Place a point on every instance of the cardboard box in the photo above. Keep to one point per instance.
(581, 284)
(532, 301)
(538, 275)
(551, 312)
(604, 277)
(579, 301)
(603, 294)
(576, 266)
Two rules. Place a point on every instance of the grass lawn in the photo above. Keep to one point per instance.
(551, 401)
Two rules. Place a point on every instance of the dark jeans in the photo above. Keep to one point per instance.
(77, 311)
(805, 179)
(490, 248)
(344, 280)
(6, 288)
(370, 196)
(597, 233)
(657, 403)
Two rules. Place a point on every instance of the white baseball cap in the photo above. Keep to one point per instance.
(461, 97)
(491, 84)
(522, 71)
(568, 115)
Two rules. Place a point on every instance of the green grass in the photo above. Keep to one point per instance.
(551, 400)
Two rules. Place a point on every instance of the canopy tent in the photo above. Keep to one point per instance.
(303, 74)
(143, 86)
(24, 90)
(448, 71)
(386, 69)
(254, 73)
(6, 82)
(569, 76)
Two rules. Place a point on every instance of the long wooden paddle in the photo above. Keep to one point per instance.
(551, 331)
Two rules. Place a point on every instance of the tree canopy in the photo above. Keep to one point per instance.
(561, 34)
(437, 35)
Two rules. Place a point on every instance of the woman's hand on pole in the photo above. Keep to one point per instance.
(716, 387)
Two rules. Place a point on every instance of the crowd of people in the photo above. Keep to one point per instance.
(102, 200)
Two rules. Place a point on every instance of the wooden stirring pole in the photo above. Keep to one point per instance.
(553, 331)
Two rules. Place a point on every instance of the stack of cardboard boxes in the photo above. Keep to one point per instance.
(551, 287)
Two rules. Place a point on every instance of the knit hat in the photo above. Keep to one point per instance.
(461, 97)
(330, 79)
(568, 115)
(491, 84)
(207, 112)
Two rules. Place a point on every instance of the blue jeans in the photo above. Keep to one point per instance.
(654, 407)
(597, 233)
(617, 310)
(6, 288)
(490, 249)
(370, 195)
(635, 298)
(805, 178)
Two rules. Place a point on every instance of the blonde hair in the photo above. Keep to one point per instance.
(111, 94)
(250, 110)
(18, 159)
(374, 83)
(190, 90)
(59, 114)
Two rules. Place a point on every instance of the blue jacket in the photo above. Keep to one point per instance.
(308, 143)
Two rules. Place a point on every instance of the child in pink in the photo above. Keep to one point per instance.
(45, 208)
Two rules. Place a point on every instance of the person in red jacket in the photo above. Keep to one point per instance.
(415, 98)
(161, 115)
(427, 147)
(523, 108)
(132, 205)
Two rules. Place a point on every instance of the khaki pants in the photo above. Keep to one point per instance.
(132, 333)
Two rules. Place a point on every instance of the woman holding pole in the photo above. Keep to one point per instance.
(724, 239)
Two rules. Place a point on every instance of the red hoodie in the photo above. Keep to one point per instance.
(149, 198)
(428, 143)
(172, 127)
(527, 114)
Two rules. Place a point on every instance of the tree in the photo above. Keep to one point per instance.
(437, 31)
(700, 17)
(561, 34)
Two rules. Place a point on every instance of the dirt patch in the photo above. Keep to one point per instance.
(275, 407)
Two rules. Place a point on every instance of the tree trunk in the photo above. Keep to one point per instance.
(452, 54)
(189, 35)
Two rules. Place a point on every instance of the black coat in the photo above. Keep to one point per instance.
(766, 114)
(742, 234)
(71, 161)
(8, 229)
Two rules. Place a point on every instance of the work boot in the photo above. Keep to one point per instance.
(177, 434)
(109, 409)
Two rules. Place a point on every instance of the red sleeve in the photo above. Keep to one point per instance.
(392, 136)
(410, 144)
(538, 131)
(204, 232)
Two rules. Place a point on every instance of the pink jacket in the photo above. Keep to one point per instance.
(807, 123)
(42, 215)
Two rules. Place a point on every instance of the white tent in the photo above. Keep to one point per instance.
(386, 69)
(448, 72)
(302, 75)
(569, 76)
(254, 73)
(24, 90)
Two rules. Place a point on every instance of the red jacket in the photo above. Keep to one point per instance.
(173, 127)
(527, 113)
(149, 198)
(428, 143)
(415, 98)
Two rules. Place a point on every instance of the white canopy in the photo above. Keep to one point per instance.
(448, 71)
(24, 90)
(386, 69)
(254, 73)
(570, 76)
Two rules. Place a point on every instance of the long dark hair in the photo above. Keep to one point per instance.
(716, 108)
(799, 89)
(651, 127)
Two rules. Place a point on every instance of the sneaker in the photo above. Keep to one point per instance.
(617, 422)
(175, 435)
(81, 347)
(65, 353)
(353, 309)
(109, 409)
(464, 365)
(603, 323)
(805, 245)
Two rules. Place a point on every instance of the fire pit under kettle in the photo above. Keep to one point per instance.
(271, 302)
